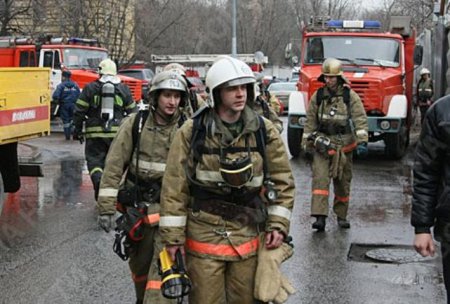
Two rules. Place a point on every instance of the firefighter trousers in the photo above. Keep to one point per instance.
(95, 152)
(218, 282)
(148, 289)
(321, 169)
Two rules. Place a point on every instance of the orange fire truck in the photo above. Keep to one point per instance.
(80, 56)
(380, 67)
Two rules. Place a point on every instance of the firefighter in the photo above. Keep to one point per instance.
(196, 101)
(167, 94)
(424, 92)
(227, 181)
(336, 125)
(102, 104)
(66, 94)
(264, 105)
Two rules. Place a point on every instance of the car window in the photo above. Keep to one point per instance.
(283, 86)
(134, 74)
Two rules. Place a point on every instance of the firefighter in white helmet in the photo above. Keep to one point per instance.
(227, 180)
(101, 105)
(336, 125)
(140, 150)
(196, 101)
(424, 92)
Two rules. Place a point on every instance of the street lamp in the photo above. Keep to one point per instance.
(233, 39)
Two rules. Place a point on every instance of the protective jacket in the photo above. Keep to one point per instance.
(204, 233)
(89, 104)
(345, 125)
(154, 146)
(66, 92)
(431, 195)
(424, 91)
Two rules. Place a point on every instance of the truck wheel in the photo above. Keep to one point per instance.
(396, 143)
(294, 136)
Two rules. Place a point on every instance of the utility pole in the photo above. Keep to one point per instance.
(233, 39)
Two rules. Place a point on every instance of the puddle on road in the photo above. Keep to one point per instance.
(65, 183)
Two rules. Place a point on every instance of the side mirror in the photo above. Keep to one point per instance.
(418, 54)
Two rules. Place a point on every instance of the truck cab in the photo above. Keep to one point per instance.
(379, 66)
(78, 55)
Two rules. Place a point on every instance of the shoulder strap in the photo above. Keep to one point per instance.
(138, 123)
(319, 96)
(198, 137)
(261, 137)
(346, 96)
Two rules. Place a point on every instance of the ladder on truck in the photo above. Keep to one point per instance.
(200, 62)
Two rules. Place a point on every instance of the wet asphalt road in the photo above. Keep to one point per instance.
(51, 250)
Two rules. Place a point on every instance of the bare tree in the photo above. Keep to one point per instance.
(10, 11)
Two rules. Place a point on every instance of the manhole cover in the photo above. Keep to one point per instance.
(396, 255)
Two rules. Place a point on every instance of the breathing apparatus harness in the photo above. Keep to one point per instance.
(129, 226)
(322, 143)
(235, 173)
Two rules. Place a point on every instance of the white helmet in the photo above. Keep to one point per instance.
(424, 71)
(227, 72)
(169, 80)
(107, 67)
(175, 67)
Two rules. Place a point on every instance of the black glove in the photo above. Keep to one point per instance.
(78, 135)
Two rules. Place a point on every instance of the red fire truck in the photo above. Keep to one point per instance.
(380, 67)
(80, 56)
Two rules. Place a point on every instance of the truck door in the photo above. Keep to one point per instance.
(51, 59)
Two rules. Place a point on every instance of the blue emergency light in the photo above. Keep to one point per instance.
(354, 24)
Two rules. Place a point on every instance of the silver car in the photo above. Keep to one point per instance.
(282, 90)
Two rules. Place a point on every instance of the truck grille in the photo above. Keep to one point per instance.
(369, 92)
(135, 88)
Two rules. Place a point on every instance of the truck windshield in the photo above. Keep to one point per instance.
(76, 58)
(355, 50)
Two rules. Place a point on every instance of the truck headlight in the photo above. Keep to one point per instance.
(302, 121)
(385, 125)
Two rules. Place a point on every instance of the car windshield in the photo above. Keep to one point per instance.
(76, 58)
(283, 86)
(354, 50)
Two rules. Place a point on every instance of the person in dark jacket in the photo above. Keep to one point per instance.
(66, 94)
(102, 104)
(431, 188)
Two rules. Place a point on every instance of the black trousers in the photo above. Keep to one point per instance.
(445, 250)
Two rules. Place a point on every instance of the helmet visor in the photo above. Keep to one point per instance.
(238, 81)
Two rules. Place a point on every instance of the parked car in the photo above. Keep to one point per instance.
(146, 75)
(282, 90)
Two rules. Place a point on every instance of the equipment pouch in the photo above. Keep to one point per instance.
(127, 197)
(129, 231)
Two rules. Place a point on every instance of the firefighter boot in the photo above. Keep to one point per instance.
(320, 222)
(343, 223)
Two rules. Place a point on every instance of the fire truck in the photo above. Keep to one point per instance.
(379, 66)
(79, 55)
(24, 114)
